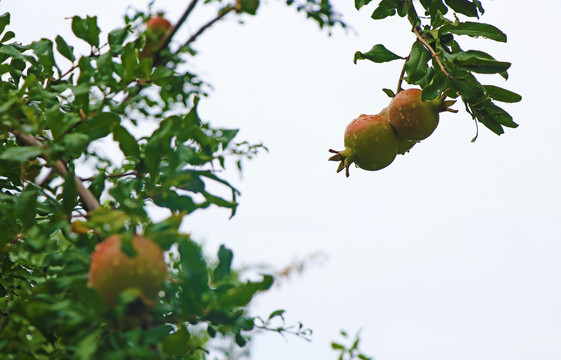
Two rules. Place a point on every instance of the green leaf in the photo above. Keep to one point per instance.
(99, 125)
(12, 52)
(75, 143)
(21, 154)
(277, 313)
(177, 344)
(161, 74)
(361, 3)
(4, 21)
(474, 29)
(479, 62)
(389, 92)
(64, 49)
(117, 37)
(27, 207)
(240, 340)
(127, 142)
(9, 35)
(242, 294)
(108, 219)
(175, 202)
(502, 95)
(337, 346)
(417, 65)
(385, 8)
(86, 29)
(249, 6)
(194, 274)
(463, 7)
(87, 346)
(223, 269)
(69, 193)
(438, 84)
(377, 54)
(499, 115)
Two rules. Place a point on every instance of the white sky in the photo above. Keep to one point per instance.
(452, 252)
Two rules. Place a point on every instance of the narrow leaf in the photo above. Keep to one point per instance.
(64, 49)
(377, 54)
(127, 143)
(474, 29)
(4, 21)
(463, 7)
(416, 66)
(69, 193)
(223, 269)
(20, 154)
(502, 95)
(361, 3)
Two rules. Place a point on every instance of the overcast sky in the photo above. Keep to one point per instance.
(452, 252)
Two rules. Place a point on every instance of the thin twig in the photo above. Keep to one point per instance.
(90, 202)
(169, 35)
(401, 75)
(429, 48)
(110, 176)
(220, 15)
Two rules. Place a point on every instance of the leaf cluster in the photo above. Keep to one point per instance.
(437, 63)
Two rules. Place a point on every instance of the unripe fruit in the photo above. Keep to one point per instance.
(112, 271)
(404, 145)
(411, 117)
(158, 24)
(370, 143)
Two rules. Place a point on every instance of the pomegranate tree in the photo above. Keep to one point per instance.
(370, 143)
(112, 271)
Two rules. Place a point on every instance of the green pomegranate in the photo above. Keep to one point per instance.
(415, 119)
(404, 145)
(370, 143)
(112, 271)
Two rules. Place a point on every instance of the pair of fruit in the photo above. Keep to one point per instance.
(372, 142)
(113, 272)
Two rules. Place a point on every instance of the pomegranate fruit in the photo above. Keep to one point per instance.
(158, 24)
(370, 143)
(112, 271)
(404, 145)
(415, 119)
(156, 28)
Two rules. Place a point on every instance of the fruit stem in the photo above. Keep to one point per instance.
(427, 46)
(401, 75)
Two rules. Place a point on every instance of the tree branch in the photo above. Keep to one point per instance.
(169, 35)
(429, 48)
(90, 202)
(220, 15)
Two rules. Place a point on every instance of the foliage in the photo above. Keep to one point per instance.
(352, 351)
(76, 166)
(438, 64)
